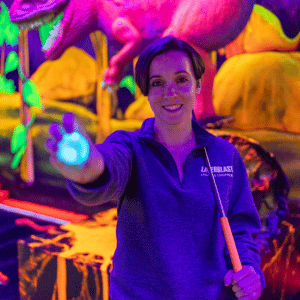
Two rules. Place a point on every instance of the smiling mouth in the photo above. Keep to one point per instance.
(173, 108)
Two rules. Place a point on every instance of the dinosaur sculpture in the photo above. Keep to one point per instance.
(207, 25)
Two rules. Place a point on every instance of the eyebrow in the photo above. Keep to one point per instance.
(157, 76)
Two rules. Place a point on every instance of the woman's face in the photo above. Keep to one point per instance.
(172, 88)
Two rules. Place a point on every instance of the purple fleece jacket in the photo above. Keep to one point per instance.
(170, 243)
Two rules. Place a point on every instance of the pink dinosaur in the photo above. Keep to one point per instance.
(205, 24)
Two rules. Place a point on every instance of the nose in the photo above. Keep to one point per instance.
(170, 90)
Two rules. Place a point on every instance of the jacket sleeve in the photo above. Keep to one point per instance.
(117, 153)
(244, 219)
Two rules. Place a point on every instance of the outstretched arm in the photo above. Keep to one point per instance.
(117, 154)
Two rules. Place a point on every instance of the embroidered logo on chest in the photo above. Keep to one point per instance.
(218, 171)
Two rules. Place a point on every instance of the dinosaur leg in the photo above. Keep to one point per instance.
(126, 33)
(204, 101)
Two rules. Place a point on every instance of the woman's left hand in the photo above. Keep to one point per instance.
(246, 283)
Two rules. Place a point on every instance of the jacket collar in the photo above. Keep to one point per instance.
(203, 137)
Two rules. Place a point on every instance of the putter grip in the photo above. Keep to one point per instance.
(234, 256)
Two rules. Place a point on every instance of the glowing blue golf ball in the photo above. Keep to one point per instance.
(73, 149)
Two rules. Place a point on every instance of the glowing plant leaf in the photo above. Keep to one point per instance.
(31, 93)
(18, 139)
(12, 34)
(7, 86)
(4, 15)
(18, 157)
(45, 29)
(9, 32)
(128, 82)
(2, 37)
(12, 62)
(4, 22)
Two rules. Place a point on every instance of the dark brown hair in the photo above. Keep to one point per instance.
(163, 45)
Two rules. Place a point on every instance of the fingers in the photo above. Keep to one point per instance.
(56, 134)
(252, 280)
(250, 292)
(68, 122)
(228, 277)
(244, 272)
(246, 284)
(56, 131)
(251, 295)
(51, 146)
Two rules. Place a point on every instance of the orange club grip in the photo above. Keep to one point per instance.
(234, 256)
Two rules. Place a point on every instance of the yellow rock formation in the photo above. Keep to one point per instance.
(140, 109)
(69, 77)
(263, 32)
(260, 90)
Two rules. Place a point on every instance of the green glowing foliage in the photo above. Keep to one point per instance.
(18, 139)
(12, 34)
(9, 32)
(45, 29)
(31, 93)
(4, 16)
(2, 37)
(18, 144)
(128, 82)
(12, 62)
(18, 157)
(7, 86)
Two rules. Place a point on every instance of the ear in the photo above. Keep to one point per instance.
(198, 88)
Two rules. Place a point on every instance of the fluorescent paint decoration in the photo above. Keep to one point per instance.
(7, 86)
(46, 29)
(12, 62)
(128, 82)
(31, 94)
(207, 25)
(9, 32)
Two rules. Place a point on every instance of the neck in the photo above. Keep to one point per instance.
(174, 135)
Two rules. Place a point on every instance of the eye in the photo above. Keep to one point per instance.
(156, 83)
(182, 79)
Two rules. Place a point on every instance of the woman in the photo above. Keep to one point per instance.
(170, 243)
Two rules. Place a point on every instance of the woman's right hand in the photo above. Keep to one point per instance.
(88, 171)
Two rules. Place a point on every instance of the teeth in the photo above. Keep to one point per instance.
(37, 23)
(172, 107)
(52, 36)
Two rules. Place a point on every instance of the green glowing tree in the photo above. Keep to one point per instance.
(9, 34)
